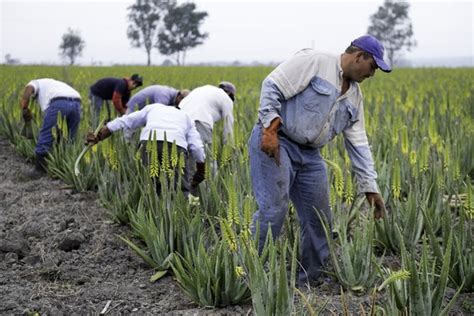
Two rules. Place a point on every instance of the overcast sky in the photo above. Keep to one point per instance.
(247, 31)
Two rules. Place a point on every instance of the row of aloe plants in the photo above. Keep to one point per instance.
(419, 175)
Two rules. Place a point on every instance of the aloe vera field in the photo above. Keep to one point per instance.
(101, 240)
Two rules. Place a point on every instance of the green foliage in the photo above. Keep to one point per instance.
(271, 288)
(406, 216)
(352, 256)
(210, 276)
(423, 293)
(164, 225)
(461, 270)
(424, 173)
(71, 45)
(180, 30)
(144, 17)
(60, 164)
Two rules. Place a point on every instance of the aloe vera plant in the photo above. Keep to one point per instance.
(164, 224)
(461, 270)
(352, 257)
(60, 164)
(272, 289)
(212, 276)
(406, 216)
(423, 293)
(77, 171)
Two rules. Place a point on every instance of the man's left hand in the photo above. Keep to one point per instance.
(376, 200)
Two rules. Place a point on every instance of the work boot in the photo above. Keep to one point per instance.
(39, 170)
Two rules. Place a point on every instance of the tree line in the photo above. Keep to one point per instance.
(171, 28)
(174, 28)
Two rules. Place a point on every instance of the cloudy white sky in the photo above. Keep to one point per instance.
(247, 31)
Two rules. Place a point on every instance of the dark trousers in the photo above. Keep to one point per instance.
(70, 110)
(96, 106)
(184, 184)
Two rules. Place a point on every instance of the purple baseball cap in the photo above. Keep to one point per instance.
(371, 45)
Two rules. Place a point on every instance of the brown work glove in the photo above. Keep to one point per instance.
(376, 200)
(27, 116)
(199, 175)
(92, 139)
(270, 143)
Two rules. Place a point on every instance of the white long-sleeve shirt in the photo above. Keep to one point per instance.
(177, 124)
(209, 104)
(47, 89)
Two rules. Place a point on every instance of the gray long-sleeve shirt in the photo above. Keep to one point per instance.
(152, 94)
(305, 92)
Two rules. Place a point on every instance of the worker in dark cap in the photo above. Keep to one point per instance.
(306, 102)
(116, 89)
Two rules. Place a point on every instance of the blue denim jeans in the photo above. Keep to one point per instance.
(70, 110)
(301, 178)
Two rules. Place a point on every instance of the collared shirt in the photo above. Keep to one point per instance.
(305, 92)
(166, 122)
(47, 89)
(152, 94)
(209, 104)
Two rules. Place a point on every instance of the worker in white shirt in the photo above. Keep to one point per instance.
(153, 94)
(165, 123)
(207, 105)
(53, 97)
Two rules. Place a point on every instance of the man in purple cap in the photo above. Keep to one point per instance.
(305, 102)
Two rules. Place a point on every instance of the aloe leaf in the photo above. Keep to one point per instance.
(158, 275)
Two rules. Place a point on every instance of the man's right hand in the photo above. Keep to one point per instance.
(91, 139)
(270, 143)
(376, 201)
(26, 113)
(199, 175)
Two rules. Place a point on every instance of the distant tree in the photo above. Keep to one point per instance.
(9, 60)
(180, 31)
(392, 26)
(71, 46)
(144, 17)
(167, 62)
